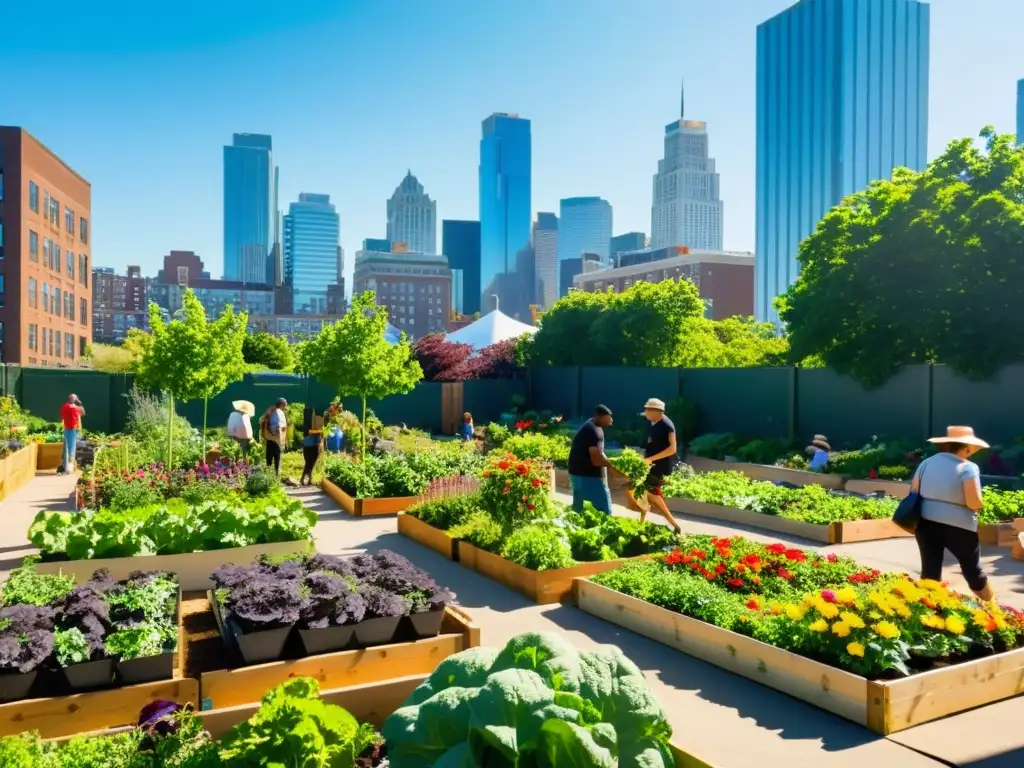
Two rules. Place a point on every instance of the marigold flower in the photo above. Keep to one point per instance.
(503, 465)
(956, 625)
(796, 612)
(796, 555)
(932, 621)
(886, 629)
(855, 649)
(841, 629)
(719, 569)
(784, 574)
(827, 610)
(522, 469)
(753, 605)
(744, 619)
(776, 549)
(818, 626)
(855, 621)
(846, 595)
(776, 609)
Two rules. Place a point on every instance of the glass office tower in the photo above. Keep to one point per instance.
(842, 99)
(311, 231)
(505, 214)
(460, 243)
(584, 226)
(251, 228)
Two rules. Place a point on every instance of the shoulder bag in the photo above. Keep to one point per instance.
(908, 513)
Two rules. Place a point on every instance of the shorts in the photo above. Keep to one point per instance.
(592, 489)
(654, 481)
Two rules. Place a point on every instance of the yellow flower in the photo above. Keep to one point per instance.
(796, 612)
(776, 609)
(855, 649)
(744, 618)
(818, 626)
(827, 610)
(886, 629)
(955, 625)
(846, 595)
(932, 621)
(882, 602)
(841, 629)
(930, 584)
(901, 609)
(855, 621)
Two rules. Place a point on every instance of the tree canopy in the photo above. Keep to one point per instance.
(920, 268)
(262, 348)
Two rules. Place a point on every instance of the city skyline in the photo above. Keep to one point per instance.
(582, 142)
(311, 255)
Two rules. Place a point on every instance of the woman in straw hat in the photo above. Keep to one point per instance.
(818, 451)
(239, 427)
(950, 489)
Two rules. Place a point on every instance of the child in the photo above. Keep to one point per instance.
(467, 426)
(312, 447)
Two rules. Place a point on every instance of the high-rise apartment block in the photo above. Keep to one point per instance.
(584, 226)
(460, 243)
(412, 217)
(842, 100)
(45, 262)
(505, 215)
(416, 289)
(687, 204)
(545, 258)
(252, 232)
(118, 304)
(311, 231)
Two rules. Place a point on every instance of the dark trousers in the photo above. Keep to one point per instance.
(274, 456)
(310, 453)
(933, 539)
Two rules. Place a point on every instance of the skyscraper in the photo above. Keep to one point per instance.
(505, 213)
(842, 99)
(412, 217)
(630, 241)
(545, 254)
(311, 231)
(686, 206)
(460, 243)
(1020, 111)
(585, 226)
(251, 216)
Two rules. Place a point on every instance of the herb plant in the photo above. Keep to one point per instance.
(632, 465)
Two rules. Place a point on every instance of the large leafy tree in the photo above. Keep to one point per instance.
(355, 358)
(923, 267)
(264, 348)
(440, 359)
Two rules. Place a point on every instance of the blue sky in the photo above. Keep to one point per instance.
(140, 99)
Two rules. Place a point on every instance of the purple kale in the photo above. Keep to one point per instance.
(364, 566)
(286, 569)
(325, 591)
(382, 604)
(95, 633)
(22, 619)
(353, 611)
(265, 604)
(101, 581)
(439, 598)
(142, 578)
(332, 563)
(230, 576)
(85, 601)
(23, 652)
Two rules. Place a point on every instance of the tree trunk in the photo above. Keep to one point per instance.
(364, 429)
(170, 429)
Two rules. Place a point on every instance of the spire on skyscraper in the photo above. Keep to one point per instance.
(682, 99)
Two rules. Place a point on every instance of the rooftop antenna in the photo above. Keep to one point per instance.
(682, 99)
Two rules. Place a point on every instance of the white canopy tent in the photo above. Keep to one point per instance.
(490, 329)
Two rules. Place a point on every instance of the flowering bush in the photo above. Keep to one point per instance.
(514, 491)
(130, 489)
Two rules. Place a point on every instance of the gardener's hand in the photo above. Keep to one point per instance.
(648, 461)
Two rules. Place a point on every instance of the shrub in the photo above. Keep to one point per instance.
(514, 492)
(448, 512)
(263, 348)
(261, 483)
(894, 473)
(763, 450)
(481, 530)
(716, 445)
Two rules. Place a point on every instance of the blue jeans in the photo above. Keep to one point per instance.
(592, 489)
(70, 438)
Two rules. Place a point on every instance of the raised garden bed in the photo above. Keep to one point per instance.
(428, 536)
(49, 455)
(17, 469)
(834, 533)
(884, 706)
(542, 587)
(366, 507)
(894, 488)
(767, 473)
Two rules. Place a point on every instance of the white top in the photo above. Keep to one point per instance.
(239, 426)
(941, 488)
(490, 329)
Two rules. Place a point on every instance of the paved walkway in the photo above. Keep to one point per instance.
(727, 720)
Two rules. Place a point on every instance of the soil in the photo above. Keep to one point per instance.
(372, 757)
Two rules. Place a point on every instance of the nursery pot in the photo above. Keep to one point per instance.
(258, 647)
(148, 669)
(427, 623)
(16, 685)
(377, 631)
(325, 639)
(89, 674)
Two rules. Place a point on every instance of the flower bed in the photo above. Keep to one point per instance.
(17, 467)
(871, 647)
(810, 512)
(114, 488)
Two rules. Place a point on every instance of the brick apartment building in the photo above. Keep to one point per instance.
(45, 257)
(184, 269)
(415, 288)
(118, 304)
(725, 279)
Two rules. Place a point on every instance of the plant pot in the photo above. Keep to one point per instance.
(148, 669)
(427, 624)
(377, 631)
(90, 674)
(326, 639)
(16, 685)
(258, 647)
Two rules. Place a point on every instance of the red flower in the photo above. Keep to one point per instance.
(507, 489)
(752, 560)
(828, 596)
(487, 474)
(503, 465)
(872, 474)
(710, 576)
(753, 605)
(530, 507)
(522, 469)
(536, 483)
(832, 557)
(784, 574)
(776, 549)
(719, 569)
(756, 579)
(795, 555)
(735, 583)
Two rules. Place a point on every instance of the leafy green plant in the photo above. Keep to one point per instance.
(894, 473)
(481, 530)
(1000, 506)
(261, 483)
(763, 451)
(448, 512)
(716, 445)
(514, 492)
(539, 548)
(553, 449)
(150, 638)
(24, 586)
(70, 647)
(632, 465)
(496, 434)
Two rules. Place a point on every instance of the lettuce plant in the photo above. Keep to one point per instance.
(539, 702)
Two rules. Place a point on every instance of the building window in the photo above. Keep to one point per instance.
(84, 310)
(69, 346)
(70, 256)
(69, 306)
(50, 345)
(69, 220)
(33, 331)
(57, 345)
(55, 211)
(46, 298)
(182, 275)
(83, 269)
(33, 196)
(33, 246)
(33, 289)
(55, 301)
(82, 344)
(83, 230)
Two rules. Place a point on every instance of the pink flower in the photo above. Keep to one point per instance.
(828, 596)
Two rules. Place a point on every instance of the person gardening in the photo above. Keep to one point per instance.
(239, 426)
(587, 459)
(71, 414)
(660, 452)
(312, 447)
(274, 430)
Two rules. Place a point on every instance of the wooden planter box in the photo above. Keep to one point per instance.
(1000, 534)
(562, 480)
(542, 587)
(366, 507)
(49, 455)
(894, 488)
(834, 533)
(17, 469)
(883, 706)
(768, 474)
(343, 669)
(193, 569)
(428, 536)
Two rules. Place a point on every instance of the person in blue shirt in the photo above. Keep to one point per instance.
(312, 447)
(466, 433)
(819, 449)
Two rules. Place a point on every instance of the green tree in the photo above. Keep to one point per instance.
(189, 358)
(354, 358)
(923, 267)
(747, 343)
(266, 349)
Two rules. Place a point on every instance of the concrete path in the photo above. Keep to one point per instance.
(727, 720)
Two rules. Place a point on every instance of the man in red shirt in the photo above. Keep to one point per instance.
(71, 414)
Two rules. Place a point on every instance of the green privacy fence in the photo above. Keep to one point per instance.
(764, 402)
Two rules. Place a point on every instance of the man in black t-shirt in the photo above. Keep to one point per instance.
(660, 452)
(586, 460)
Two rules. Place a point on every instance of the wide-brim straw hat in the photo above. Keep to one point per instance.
(963, 435)
(244, 407)
(820, 441)
(654, 404)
